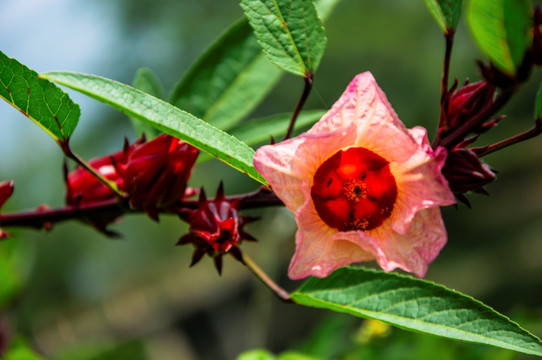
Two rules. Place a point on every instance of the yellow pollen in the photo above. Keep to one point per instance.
(354, 190)
(357, 224)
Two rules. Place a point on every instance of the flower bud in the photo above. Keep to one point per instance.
(84, 188)
(467, 102)
(215, 228)
(466, 172)
(153, 174)
(157, 172)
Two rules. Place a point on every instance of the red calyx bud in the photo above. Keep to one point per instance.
(84, 188)
(215, 228)
(156, 173)
(6, 189)
(467, 102)
(466, 172)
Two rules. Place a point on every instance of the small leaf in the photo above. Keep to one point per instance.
(416, 305)
(147, 81)
(257, 131)
(163, 116)
(290, 32)
(446, 13)
(231, 77)
(538, 105)
(38, 99)
(260, 354)
(502, 30)
(257, 354)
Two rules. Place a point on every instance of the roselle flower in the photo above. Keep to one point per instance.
(467, 102)
(6, 189)
(216, 228)
(361, 187)
(156, 173)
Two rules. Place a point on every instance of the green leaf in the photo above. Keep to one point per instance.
(147, 81)
(228, 81)
(538, 104)
(260, 354)
(416, 305)
(163, 116)
(501, 29)
(231, 77)
(445, 12)
(290, 32)
(19, 350)
(38, 99)
(257, 131)
(257, 354)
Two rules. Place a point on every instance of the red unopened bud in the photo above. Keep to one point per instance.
(467, 102)
(157, 172)
(84, 188)
(215, 228)
(6, 189)
(466, 172)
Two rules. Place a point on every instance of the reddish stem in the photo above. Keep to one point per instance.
(116, 207)
(449, 36)
(534, 131)
(264, 278)
(300, 103)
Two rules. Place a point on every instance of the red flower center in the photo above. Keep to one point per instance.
(354, 190)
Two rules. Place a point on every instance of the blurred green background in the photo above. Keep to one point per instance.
(83, 296)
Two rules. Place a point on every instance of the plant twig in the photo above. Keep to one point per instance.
(444, 95)
(260, 274)
(458, 134)
(38, 218)
(306, 91)
(534, 131)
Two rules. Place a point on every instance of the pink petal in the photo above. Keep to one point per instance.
(317, 254)
(420, 183)
(364, 105)
(412, 251)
